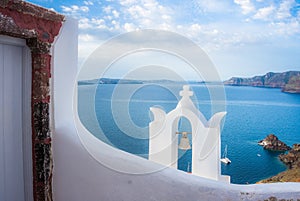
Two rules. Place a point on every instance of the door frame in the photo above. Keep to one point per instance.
(26, 112)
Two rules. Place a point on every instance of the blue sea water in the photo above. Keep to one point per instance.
(121, 120)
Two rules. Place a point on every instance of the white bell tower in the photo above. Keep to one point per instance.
(163, 138)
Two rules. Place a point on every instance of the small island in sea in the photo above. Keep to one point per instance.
(272, 143)
(291, 159)
(288, 81)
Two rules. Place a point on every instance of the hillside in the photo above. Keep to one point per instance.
(292, 160)
(287, 81)
(293, 86)
(290, 175)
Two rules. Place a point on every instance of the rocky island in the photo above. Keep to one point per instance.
(288, 81)
(272, 143)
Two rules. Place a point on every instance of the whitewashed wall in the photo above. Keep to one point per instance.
(79, 176)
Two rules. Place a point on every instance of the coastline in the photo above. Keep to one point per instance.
(288, 82)
(292, 161)
(232, 134)
(289, 175)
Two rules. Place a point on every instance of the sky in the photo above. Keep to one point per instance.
(242, 37)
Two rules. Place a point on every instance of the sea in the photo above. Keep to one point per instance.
(119, 115)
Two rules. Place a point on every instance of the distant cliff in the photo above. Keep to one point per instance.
(109, 81)
(287, 81)
(129, 81)
(293, 86)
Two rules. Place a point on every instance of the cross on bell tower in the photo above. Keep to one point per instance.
(186, 93)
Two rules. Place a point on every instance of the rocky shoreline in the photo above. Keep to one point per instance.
(291, 159)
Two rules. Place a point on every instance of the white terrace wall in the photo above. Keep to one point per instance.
(80, 176)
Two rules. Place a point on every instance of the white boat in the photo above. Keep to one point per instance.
(225, 159)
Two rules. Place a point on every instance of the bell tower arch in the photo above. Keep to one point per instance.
(163, 140)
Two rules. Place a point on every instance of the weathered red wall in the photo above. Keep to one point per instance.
(39, 27)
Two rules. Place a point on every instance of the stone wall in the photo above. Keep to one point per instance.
(39, 27)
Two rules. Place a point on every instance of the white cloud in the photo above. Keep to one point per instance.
(284, 9)
(129, 27)
(108, 17)
(264, 13)
(86, 23)
(128, 2)
(246, 6)
(166, 17)
(111, 13)
(130, 15)
(286, 29)
(115, 13)
(84, 9)
(107, 9)
(86, 37)
(116, 25)
(74, 9)
(277, 14)
(88, 3)
(195, 27)
(66, 9)
(99, 23)
(219, 36)
(137, 11)
(213, 6)
(148, 14)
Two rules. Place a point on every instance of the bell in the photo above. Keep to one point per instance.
(184, 142)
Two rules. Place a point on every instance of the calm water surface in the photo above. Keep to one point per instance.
(252, 113)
